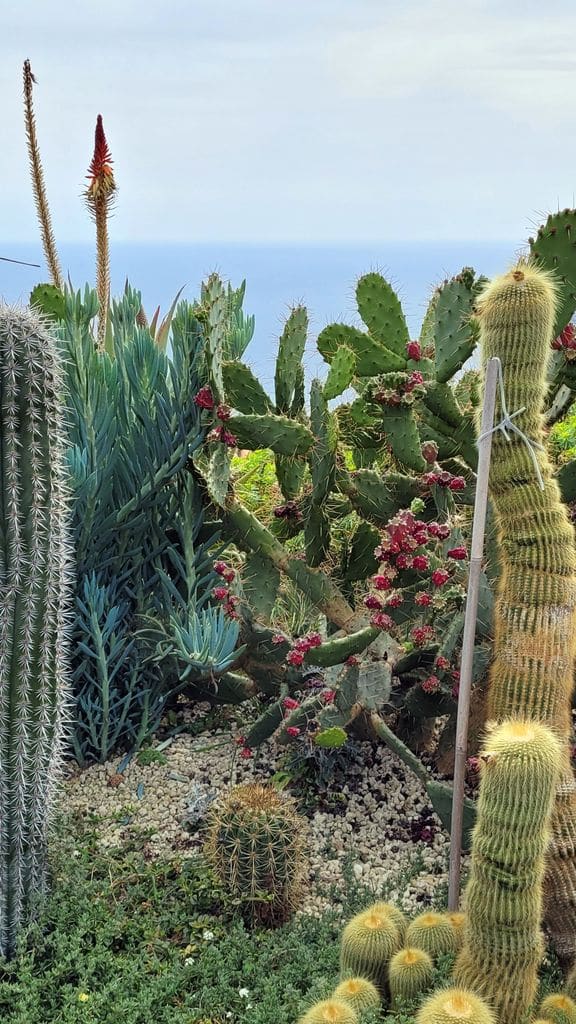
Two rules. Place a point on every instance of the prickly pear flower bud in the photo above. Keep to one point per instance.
(295, 658)
(431, 684)
(223, 412)
(293, 730)
(440, 577)
(459, 553)
(278, 639)
(246, 752)
(429, 452)
(417, 506)
(373, 602)
(413, 351)
(204, 399)
(423, 600)
(381, 621)
(290, 703)
(420, 562)
(457, 483)
(220, 593)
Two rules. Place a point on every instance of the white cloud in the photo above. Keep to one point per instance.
(516, 60)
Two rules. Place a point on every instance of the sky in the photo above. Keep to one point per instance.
(298, 121)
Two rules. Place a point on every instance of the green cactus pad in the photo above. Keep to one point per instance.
(433, 933)
(260, 582)
(316, 536)
(371, 357)
(401, 431)
(243, 390)
(369, 941)
(375, 497)
(441, 401)
(265, 726)
(336, 650)
(330, 1011)
(554, 248)
(359, 561)
(49, 300)
(290, 474)
(558, 1008)
(281, 435)
(340, 374)
(289, 358)
(322, 457)
(332, 738)
(410, 973)
(455, 333)
(455, 1006)
(217, 473)
(380, 309)
(359, 993)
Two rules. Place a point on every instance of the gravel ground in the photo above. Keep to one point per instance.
(382, 824)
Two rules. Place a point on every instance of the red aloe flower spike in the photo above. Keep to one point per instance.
(99, 194)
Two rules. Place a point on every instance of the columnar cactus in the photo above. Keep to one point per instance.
(532, 673)
(502, 943)
(35, 574)
(256, 846)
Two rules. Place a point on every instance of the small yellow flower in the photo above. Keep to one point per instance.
(83, 997)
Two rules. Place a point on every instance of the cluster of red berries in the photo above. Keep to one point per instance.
(401, 550)
(403, 388)
(301, 647)
(229, 601)
(566, 340)
(444, 479)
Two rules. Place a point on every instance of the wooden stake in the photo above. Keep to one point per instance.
(476, 557)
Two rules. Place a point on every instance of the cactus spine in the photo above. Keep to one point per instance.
(256, 846)
(35, 574)
(369, 941)
(433, 933)
(359, 993)
(455, 1006)
(503, 943)
(330, 1011)
(411, 972)
(458, 922)
(535, 618)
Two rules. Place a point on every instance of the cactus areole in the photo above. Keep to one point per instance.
(35, 579)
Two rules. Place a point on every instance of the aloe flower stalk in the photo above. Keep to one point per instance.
(99, 196)
(38, 186)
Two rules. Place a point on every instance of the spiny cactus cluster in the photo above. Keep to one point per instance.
(256, 845)
(36, 574)
(532, 673)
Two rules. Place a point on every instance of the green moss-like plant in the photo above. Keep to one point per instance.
(455, 1006)
(410, 973)
(369, 941)
(503, 944)
(330, 1011)
(433, 933)
(532, 672)
(359, 993)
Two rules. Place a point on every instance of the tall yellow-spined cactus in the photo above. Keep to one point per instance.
(535, 619)
(503, 944)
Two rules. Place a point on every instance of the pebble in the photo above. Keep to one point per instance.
(372, 831)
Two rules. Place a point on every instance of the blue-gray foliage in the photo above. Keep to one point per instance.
(144, 625)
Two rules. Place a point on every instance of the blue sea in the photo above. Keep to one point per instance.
(277, 277)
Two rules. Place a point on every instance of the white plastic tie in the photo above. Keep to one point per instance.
(508, 427)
